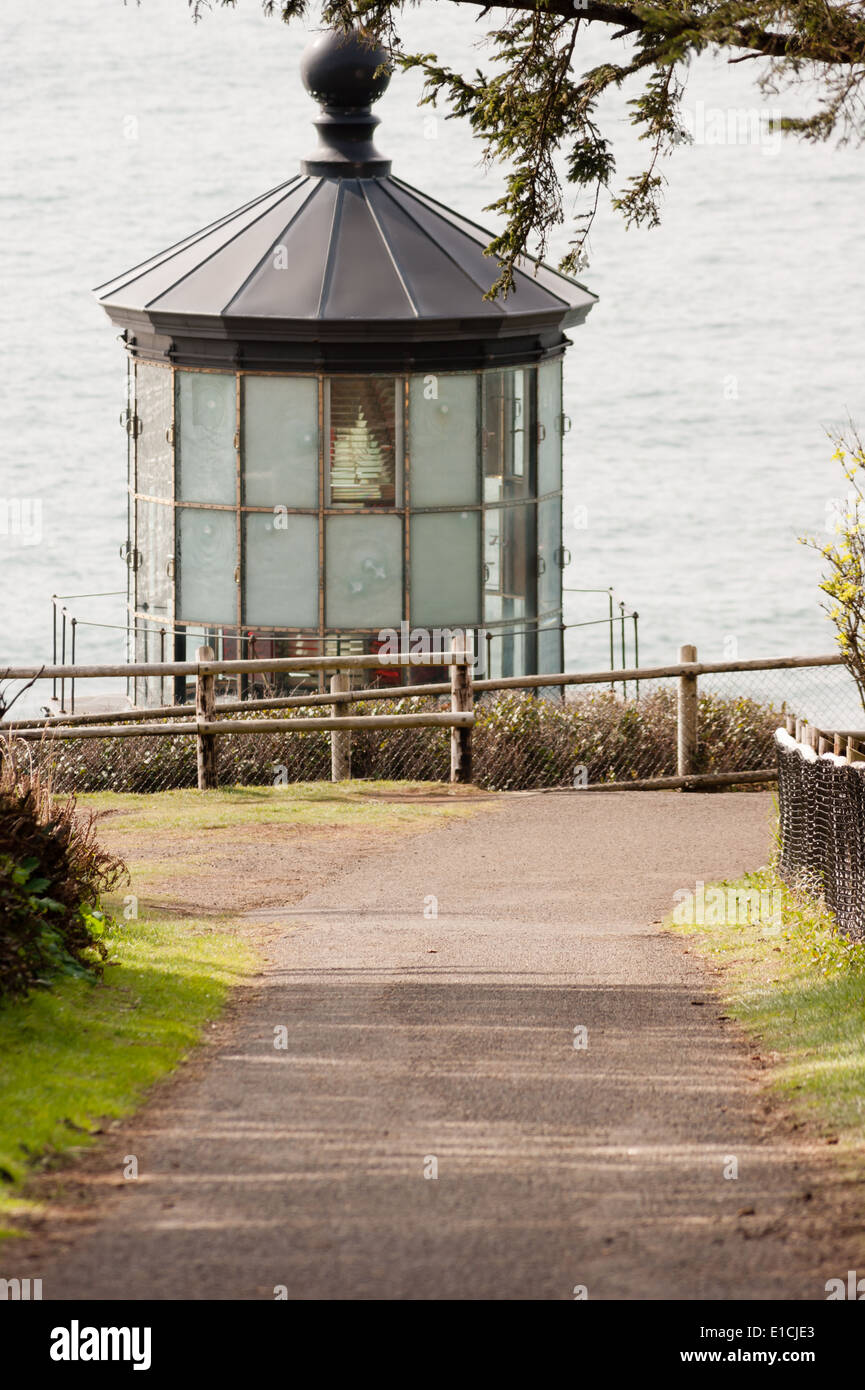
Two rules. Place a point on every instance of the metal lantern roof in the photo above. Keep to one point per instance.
(342, 266)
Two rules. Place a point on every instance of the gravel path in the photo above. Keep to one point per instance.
(416, 1044)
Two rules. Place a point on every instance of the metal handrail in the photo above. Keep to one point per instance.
(251, 638)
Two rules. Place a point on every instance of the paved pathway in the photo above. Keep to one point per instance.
(417, 1043)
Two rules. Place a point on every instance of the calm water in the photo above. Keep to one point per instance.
(725, 344)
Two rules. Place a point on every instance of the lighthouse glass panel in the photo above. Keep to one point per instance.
(550, 427)
(206, 429)
(442, 444)
(445, 556)
(364, 442)
(549, 554)
(550, 649)
(154, 388)
(509, 585)
(281, 555)
(364, 572)
(155, 545)
(508, 552)
(280, 441)
(505, 441)
(207, 565)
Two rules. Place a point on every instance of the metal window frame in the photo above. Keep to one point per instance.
(325, 507)
(400, 436)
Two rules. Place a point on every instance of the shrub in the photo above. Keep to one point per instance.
(52, 872)
(520, 741)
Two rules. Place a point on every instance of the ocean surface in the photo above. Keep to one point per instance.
(725, 348)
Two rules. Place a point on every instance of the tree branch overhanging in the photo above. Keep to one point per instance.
(528, 105)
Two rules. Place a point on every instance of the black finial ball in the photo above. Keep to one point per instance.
(339, 69)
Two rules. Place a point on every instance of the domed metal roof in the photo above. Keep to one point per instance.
(342, 263)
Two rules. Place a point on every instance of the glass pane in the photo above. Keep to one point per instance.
(364, 571)
(445, 565)
(509, 554)
(155, 546)
(508, 649)
(206, 457)
(153, 399)
(443, 440)
(492, 557)
(550, 652)
(139, 647)
(509, 587)
(219, 644)
(505, 420)
(280, 441)
(550, 427)
(157, 689)
(151, 646)
(130, 532)
(281, 570)
(206, 565)
(139, 640)
(363, 441)
(549, 554)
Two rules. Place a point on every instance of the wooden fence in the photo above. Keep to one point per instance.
(208, 721)
(206, 727)
(842, 743)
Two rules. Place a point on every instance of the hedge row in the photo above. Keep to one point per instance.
(520, 741)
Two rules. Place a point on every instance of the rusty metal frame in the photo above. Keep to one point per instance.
(405, 494)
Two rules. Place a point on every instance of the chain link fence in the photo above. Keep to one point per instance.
(822, 812)
(824, 695)
(521, 739)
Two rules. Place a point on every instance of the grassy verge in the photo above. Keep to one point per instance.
(798, 987)
(82, 1053)
(321, 805)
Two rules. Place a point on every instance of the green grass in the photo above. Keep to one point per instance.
(80, 1054)
(798, 987)
(312, 804)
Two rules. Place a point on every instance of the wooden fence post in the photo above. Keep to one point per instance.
(687, 717)
(839, 746)
(340, 739)
(205, 708)
(462, 702)
(851, 751)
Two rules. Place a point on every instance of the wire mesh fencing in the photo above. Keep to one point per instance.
(822, 813)
(522, 739)
(824, 695)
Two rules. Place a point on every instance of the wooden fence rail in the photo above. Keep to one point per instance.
(841, 743)
(357, 695)
(195, 725)
(303, 665)
(367, 694)
(206, 728)
(208, 723)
